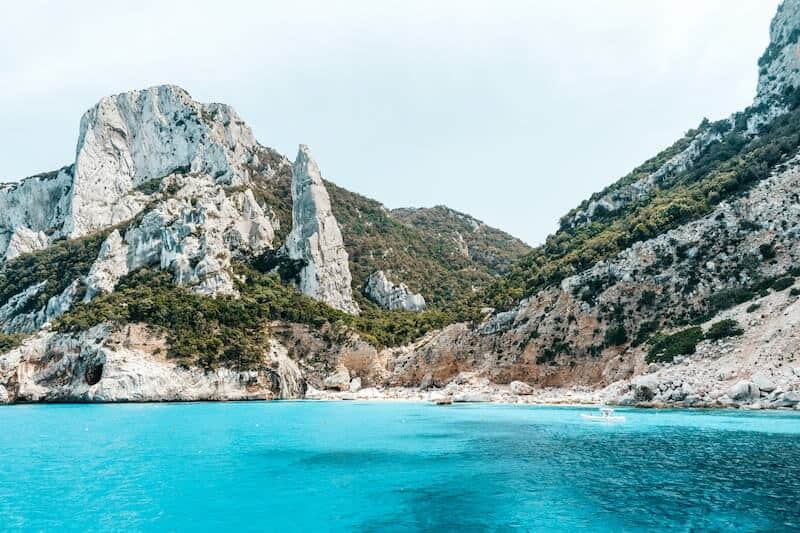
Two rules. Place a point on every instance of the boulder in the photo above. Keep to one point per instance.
(764, 382)
(788, 399)
(339, 380)
(744, 391)
(471, 397)
(355, 385)
(518, 387)
(645, 389)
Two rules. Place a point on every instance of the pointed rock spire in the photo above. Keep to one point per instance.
(316, 238)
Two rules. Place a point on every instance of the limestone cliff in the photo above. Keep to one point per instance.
(130, 138)
(316, 239)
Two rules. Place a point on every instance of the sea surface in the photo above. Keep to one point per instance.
(351, 466)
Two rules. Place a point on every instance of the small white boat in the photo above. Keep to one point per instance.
(606, 415)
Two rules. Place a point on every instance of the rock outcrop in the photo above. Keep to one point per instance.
(36, 205)
(131, 138)
(108, 365)
(392, 296)
(316, 239)
(779, 67)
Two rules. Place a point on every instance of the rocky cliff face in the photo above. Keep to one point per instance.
(105, 364)
(30, 211)
(392, 296)
(128, 139)
(779, 67)
(316, 239)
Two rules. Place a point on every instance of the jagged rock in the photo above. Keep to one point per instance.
(110, 266)
(18, 302)
(25, 241)
(645, 388)
(780, 65)
(38, 203)
(131, 138)
(390, 296)
(518, 387)
(744, 391)
(788, 399)
(339, 380)
(316, 239)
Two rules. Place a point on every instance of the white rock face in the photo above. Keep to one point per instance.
(110, 266)
(34, 205)
(24, 241)
(199, 158)
(131, 138)
(316, 238)
(51, 367)
(391, 296)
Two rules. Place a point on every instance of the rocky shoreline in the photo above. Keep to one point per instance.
(505, 394)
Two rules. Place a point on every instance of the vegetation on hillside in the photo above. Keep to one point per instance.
(421, 250)
(725, 168)
(58, 265)
(233, 332)
(494, 249)
(664, 348)
(724, 328)
(426, 258)
(9, 342)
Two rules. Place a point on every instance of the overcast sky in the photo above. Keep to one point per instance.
(512, 111)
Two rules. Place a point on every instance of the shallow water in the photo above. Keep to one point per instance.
(322, 466)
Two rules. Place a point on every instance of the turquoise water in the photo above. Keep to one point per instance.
(304, 466)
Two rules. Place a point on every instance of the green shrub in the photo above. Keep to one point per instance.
(646, 329)
(795, 291)
(9, 342)
(232, 332)
(615, 335)
(767, 251)
(647, 299)
(753, 307)
(728, 298)
(58, 266)
(724, 328)
(664, 348)
(781, 284)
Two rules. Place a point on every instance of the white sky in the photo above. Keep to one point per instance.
(512, 111)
